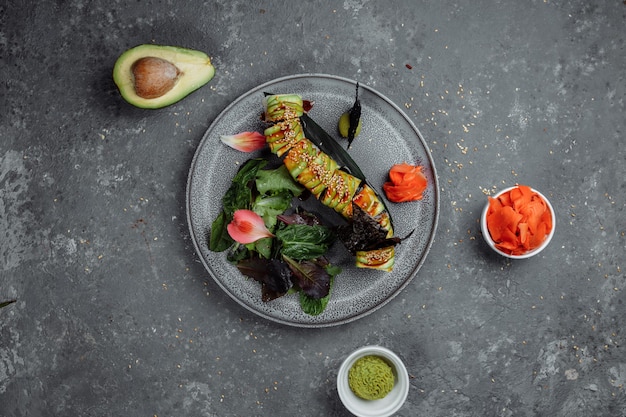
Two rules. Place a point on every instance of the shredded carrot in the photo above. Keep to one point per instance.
(406, 183)
(518, 220)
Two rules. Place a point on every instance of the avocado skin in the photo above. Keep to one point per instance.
(195, 67)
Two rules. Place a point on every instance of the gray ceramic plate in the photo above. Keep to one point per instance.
(388, 136)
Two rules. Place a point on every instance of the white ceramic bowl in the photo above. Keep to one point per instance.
(374, 408)
(492, 244)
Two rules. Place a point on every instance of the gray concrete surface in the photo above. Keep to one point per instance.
(114, 313)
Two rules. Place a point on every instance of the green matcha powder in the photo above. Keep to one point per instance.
(371, 378)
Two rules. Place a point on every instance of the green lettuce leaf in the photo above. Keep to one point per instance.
(263, 247)
(269, 206)
(219, 239)
(238, 196)
(301, 241)
(271, 180)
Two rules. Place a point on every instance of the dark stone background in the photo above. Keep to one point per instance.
(115, 315)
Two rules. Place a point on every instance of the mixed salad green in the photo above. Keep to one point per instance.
(293, 258)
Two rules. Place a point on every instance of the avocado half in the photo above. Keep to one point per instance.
(155, 76)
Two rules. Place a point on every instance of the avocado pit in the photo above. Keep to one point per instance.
(154, 77)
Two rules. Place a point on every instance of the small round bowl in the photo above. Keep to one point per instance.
(492, 244)
(374, 408)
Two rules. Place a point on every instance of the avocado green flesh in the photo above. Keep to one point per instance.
(283, 106)
(281, 137)
(195, 71)
(344, 125)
